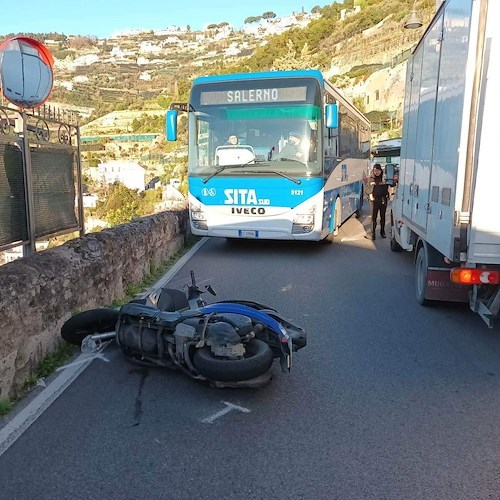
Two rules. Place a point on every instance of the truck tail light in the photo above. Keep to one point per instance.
(474, 276)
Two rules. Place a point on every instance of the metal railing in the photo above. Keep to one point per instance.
(40, 176)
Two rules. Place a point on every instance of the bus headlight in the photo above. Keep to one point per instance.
(198, 219)
(303, 223)
(304, 219)
(198, 215)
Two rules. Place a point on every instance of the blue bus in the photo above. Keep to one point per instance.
(276, 155)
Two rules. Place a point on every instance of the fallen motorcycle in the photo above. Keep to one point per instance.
(230, 343)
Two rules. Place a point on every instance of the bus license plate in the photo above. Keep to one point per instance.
(245, 233)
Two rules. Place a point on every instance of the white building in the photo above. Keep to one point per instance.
(86, 60)
(130, 174)
(90, 200)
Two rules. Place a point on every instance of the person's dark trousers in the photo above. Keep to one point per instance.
(379, 206)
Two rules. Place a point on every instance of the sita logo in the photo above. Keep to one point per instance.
(240, 197)
(208, 192)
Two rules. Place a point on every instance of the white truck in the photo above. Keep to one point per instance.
(447, 203)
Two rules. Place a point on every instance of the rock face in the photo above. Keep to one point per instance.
(39, 293)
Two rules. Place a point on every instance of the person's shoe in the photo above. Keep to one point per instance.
(382, 234)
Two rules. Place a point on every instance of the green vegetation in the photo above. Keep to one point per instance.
(5, 406)
(147, 124)
(50, 363)
(56, 359)
(121, 204)
(154, 275)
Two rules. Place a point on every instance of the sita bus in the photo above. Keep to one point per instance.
(276, 155)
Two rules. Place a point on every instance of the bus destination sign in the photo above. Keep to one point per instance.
(287, 94)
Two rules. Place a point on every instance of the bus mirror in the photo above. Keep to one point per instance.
(332, 116)
(171, 125)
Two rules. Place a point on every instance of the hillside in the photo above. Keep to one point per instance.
(146, 70)
(124, 84)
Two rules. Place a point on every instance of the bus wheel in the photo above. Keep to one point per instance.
(421, 265)
(328, 238)
(338, 217)
(357, 213)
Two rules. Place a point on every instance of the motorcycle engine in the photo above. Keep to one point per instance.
(224, 341)
(224, 335)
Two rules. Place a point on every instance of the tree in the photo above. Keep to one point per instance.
(121, 205)
(269, 15)
(316, 9)
(252, 19)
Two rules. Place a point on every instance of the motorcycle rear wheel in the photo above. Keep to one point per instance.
(258, 360)
(88, 323)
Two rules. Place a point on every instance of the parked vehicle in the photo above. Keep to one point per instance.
(227, 344)
(446, 206)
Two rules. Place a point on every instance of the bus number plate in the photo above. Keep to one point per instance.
(246, 233)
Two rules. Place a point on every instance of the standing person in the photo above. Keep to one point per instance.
(378, 191)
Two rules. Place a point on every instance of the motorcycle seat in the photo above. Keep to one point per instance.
(171, 299)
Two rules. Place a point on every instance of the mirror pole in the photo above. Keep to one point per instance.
(29, 248)
(79, 183)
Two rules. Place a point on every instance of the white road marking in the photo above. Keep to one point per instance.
(229, 407)
(83, 360)
(14, 429)
(20, 423)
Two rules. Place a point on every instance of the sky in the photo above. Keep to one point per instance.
(103, 18)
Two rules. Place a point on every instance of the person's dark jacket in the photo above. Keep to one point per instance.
(377, 187)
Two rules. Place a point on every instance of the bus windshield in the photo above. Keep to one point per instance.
(265, 126)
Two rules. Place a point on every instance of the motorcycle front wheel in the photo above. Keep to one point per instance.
(257, 361)
(88, 323)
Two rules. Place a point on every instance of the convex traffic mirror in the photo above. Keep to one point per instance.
(26, 75)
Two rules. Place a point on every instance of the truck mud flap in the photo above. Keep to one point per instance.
(440, 287)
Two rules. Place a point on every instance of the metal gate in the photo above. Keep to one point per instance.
(40, 177)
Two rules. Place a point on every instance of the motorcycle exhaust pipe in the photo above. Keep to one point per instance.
(93, 343)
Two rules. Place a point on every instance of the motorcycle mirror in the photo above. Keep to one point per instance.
(210, 289)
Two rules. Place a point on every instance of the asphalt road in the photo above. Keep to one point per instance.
(389, 400)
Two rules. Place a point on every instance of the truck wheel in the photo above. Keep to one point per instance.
(258, 360)
(88, 323)
(421, 265)
(395, 246)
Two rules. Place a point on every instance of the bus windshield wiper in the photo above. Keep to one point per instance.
(277, 172)
(221, 169)
(218, 171)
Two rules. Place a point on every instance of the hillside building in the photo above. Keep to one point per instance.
(129, 173)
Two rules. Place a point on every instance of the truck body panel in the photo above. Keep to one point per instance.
(446, 202)
(484, 242)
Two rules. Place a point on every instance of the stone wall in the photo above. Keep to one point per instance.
(39, 293)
